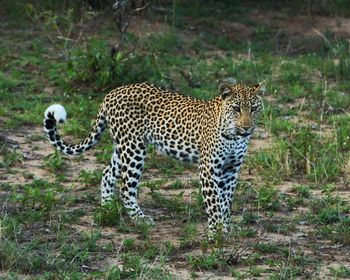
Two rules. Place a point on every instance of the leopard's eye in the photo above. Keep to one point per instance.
(254, 108)
(237, 108)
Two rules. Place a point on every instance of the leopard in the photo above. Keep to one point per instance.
(212, 133)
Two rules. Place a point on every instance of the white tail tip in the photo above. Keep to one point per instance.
(58, 112)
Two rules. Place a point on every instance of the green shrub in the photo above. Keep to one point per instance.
(94, 65)
(111, 214)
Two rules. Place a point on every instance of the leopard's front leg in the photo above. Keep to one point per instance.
(210, 178)
(227, 186)
(229, 177)
(219, 170)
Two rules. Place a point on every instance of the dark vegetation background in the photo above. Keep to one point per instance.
(291, 209)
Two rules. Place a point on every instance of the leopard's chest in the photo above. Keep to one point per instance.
(232, 153)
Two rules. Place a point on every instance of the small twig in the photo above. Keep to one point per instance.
(7, 141)
(79, 37)
(319, 33)
(64, 38)
(345, 112)
(159, 9)
(323, 100)
(137, 10)
(301, 106)
(189, 78)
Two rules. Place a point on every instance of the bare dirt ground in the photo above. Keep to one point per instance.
(168, 229)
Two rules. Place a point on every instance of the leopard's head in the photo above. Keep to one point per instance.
(241, 107)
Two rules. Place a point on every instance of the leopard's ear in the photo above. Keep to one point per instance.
(260, 88)
(225, 90)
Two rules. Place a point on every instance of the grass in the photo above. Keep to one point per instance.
(290, 207)
(10, 158)
(340, 272)
(111, 214)
(189, 236)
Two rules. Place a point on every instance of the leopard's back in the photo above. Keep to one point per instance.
(169, 120)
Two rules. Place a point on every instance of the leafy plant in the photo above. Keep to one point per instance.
(41, 196)
(111, 214)
(90, 178)
(302, 190)
(342, 234)
(206, 261)
(55, 163)
(340, 271)
(189, 236)
(268, 198)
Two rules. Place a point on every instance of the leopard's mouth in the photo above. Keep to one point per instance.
(245, 134)
(234, 132)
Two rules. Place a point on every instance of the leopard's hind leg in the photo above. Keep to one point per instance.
(132, 161)
(110, 175)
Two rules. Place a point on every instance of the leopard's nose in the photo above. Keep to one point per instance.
(246, 128)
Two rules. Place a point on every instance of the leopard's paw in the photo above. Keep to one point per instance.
(145, 219)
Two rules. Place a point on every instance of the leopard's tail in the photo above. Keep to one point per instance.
(57, 114)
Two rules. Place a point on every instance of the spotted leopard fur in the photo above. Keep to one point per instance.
(213, 133)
